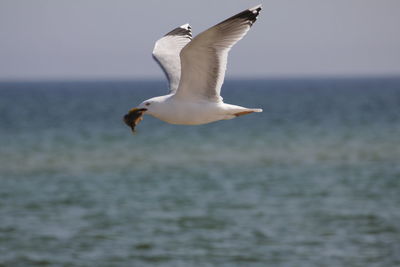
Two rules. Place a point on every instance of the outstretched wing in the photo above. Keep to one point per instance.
(166, 53)
(204, 59)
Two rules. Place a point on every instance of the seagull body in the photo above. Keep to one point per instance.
(195, 69)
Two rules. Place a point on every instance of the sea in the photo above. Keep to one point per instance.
(314, 180)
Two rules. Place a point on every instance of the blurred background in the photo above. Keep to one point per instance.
(314, 180)
(91, 39)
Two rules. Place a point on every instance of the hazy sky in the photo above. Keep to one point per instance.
(90, 39)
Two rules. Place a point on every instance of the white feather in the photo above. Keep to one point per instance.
(204, 59)
(166, 53)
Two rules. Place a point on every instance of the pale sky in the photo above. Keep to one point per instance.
(98, 39)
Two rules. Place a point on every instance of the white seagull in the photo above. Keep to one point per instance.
(195, 69)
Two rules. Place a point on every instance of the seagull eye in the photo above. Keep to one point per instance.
(147, 104)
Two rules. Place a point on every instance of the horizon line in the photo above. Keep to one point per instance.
(227, 79)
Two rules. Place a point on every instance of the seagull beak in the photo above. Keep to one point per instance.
(133, 117)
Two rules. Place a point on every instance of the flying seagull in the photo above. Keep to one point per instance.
(195, 68)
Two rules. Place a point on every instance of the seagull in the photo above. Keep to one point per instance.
(195, 68)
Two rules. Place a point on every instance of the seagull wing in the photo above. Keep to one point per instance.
(204, 59)
(166, 53)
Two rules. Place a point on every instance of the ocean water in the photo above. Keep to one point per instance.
(314, 180)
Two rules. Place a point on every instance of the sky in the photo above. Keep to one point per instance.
(99, 39)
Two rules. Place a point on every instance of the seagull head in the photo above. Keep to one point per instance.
(135, 115)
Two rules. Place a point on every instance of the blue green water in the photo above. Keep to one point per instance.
(314, 180)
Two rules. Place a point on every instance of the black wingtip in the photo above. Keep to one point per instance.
(249, 15)
(184, 30)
